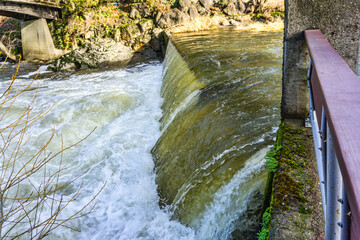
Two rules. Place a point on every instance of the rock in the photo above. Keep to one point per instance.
(200, 9)
(89, 34)
(193, 12)
(96, 54)
(157, 38)
(146, 25)
(134, 13)
(184, 5)
(130, 32)
(233, 22)
(241, 7)
(117, 36)
(230, 9)
(144, 10)
(171, 18)
(141, 42)
(143, 56)
(224, 22)
(206, 3)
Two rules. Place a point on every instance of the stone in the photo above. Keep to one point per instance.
(171, 18)
(117, 36)
(230, 9)
(96, 54)
(130, 32)
(233, 22)
(184, 5)
(157, 37)
(146, 25)
(206, 3)
(193, 12)
(89, 34)
(144, 10)
(200, 9)
(241, 7)
(134, 13)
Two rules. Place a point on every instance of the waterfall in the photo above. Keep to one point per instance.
(189, 134)
(220, 115)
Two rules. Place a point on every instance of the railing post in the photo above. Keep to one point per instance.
(318, 137)
(333, 192)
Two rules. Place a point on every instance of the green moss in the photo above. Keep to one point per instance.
(303, 209)
(290, 182)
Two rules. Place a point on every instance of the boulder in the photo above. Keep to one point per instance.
(193, 12)
(171, 18)
(200, 9)
(99, 53)
(230, 9)
(184, 5)
(134, 13)
(146, 25)
(144, 10)
(117, 36)
(241, 6)
(157, 38)
(206, 3)
(130, 32)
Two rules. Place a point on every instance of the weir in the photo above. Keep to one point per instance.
(221, 95)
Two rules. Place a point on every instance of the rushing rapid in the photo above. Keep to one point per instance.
(124, 105)
(179, 145)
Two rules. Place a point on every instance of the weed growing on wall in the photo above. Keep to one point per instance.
(271, 160)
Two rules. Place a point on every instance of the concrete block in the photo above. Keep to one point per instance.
(339, 21)
(37, 43)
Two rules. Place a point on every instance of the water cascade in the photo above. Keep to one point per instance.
(201, 156)
(221, 95)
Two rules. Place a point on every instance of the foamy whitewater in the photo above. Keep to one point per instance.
(124, 105)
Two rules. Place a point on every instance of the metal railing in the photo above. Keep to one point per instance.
(335, 117)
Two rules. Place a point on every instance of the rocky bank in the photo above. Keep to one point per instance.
(97, 34)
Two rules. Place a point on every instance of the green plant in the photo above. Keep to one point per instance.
(266, 218)
(271, 160)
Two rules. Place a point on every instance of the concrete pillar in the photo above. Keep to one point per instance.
(339, 21)
(37, 43)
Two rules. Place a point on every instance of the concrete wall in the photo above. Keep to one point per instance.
(339, 20)
(36, 41)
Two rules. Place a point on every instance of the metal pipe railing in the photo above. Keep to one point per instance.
(338, 157)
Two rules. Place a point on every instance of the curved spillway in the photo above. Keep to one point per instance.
(221, 93)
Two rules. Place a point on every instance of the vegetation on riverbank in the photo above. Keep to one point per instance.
(139, 24)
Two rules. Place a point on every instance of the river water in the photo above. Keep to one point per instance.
(194, 129)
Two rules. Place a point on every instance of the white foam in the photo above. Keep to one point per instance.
(125, 107)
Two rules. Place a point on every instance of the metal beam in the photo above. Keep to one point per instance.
(25, 11)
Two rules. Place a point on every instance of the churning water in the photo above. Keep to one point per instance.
(211, 115)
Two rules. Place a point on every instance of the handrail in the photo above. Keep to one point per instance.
(335, 91)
